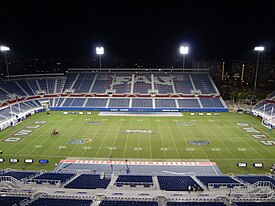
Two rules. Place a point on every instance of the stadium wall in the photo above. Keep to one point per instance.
(141, 109)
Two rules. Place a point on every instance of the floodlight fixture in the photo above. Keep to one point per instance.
(184, 49)
(99, 50)
(5, 49)
(257, 49)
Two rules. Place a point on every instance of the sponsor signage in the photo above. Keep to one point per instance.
(241, 164)
(28, 161)
(137, 162)
(43, 161)
(258, 165)
(13, 160)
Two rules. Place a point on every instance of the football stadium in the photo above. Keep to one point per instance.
(132, 137)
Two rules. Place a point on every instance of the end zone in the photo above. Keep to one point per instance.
(110, 166)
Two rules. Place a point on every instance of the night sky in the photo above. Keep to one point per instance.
(136, 29)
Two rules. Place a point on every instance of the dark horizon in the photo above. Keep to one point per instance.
(137, 30)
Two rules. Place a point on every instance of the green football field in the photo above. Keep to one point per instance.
(141, 138)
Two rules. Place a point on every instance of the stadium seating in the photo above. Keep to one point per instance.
(142, 103)
(203, 83)
(88, 181)
(134, 180)
(252, 179)
(195, 204)
(119, 102)
(83, 82)
(96, 102)
(218, 181)
(19, 174)
(11, 200)
(177, 183)
(183, 84)
(253, 203)
(185, 103)
(211, 102)
(53, 177)
(176, 190)
(60, 202)
(165, 103)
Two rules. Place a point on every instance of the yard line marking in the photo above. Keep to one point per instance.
(161, 140)
(39, 138)
(62, 139)
(114, 142)
(179, 128)
(95, 131)
(197, 139)
(105, 135)
(222, 141)
(173, 138)
(245, 142)
(127, 136)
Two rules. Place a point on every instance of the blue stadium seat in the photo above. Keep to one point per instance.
(177, 183)
(87, 181)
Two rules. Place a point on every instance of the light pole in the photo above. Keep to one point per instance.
(5, 49)
(99, 51)
(258, 49)
(184, 51)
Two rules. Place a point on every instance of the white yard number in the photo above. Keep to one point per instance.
(216, 149)
(268, 142)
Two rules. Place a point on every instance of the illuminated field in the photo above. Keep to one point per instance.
(151, 138)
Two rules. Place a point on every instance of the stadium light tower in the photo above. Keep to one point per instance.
(99, 51)
(258, 49)
(184, 51)
(5, 49)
